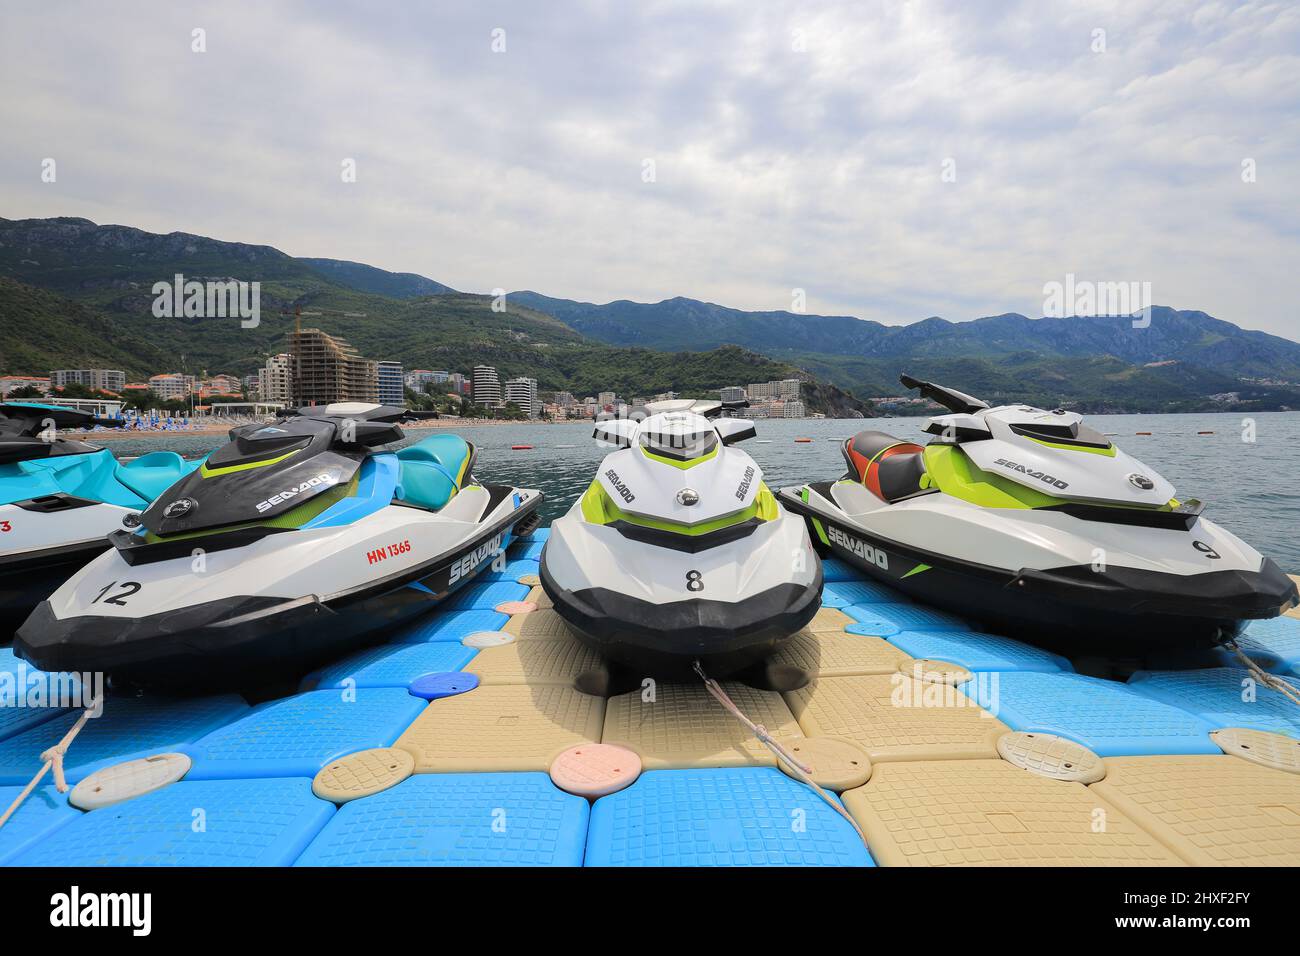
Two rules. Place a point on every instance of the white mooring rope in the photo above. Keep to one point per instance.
(53, 759)
(759, 731)
(1271, 681)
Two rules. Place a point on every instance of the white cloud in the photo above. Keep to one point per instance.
(776, 167)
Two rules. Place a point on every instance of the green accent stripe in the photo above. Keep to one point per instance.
(599, 508)
(689, 463)
(207, 472)
(1108, 451)
(821, 532)
(919, 569)
(293, 518)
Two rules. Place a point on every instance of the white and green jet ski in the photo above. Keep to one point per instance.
(678, 551)
(1029, 521)
(296, 541)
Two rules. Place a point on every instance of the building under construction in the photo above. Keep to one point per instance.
(327, 369)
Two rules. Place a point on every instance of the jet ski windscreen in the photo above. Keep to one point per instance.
(680, 437)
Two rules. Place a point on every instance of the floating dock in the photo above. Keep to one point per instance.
(946, 746)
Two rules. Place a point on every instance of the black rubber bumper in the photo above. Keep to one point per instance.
(192, 645)
(663, 638)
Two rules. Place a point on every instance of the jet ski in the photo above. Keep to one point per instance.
(60, 498)
(678, 551)
(296, 541)
(1030, 522)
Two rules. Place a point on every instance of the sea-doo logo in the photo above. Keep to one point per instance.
(745, 482)
(310, 483)
(179, 508)
(466, 565)
(860, 548)
(1041, 476)
(619, 486)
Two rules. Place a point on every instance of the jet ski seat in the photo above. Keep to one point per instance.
(890, 468)
(433, 470)
(152, 474)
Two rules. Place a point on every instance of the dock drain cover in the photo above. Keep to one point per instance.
(1271, 750)
(362, 774)
(516, 607)
(595, 770)
(487, 638)
(837, 764)
(442, 684)
(1053, 757)
(934, 672)
(125, 781)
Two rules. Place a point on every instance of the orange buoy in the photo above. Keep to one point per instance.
(1142, 433)
(1205, 433)
(521, 447)
(803, 440)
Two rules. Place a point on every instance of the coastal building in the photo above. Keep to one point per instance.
(103, 379)
(391, 383)
(275, 381)
(523, 392)
(170, 385)
(9, 383)
(794, 409)
(732, 393)
(784, 389)
(457, 383)
(564, 399)
(329, 369)
(606, 400)
(487, 386)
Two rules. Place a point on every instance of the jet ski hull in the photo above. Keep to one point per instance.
(246, 639)
(1113, 609)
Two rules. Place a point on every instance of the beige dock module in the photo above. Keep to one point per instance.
(1211, 810)
(1050, 756)
(1258, 746)
(538, 596)
(539, 626)
(835, 764)
(989, 813)
(935, 672)
(836, 654)
(829, 619)
(502, 727)
(362, 774)
(534, 662)
(894, 717)
(683, 726)
(529, 580)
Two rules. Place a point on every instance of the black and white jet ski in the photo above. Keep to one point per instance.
(294, 542)
(60, 498)
(678, 551)
(1028, 520)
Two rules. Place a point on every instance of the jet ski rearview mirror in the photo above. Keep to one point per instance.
(733, 430)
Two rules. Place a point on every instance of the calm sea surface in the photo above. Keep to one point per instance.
(1249, 487)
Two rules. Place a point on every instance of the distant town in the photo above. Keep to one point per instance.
(318, 369)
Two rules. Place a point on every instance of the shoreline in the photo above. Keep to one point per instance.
(119, 434)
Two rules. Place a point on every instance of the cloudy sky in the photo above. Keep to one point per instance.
(894, 159)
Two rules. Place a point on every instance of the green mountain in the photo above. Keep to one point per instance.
(76, 294)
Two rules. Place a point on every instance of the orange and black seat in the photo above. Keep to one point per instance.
(890, 468)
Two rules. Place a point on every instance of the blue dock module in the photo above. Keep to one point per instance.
(515, 569)
(1106, 717)
(1222, 696)
(485, 597)
(886, 620)
(457, 819)
(203, 823)
(1273, 644)
(450, 626)
(835, 570)
(297, 736)
(866, 593)
(979, 652)
(530, 549)
(129, 727)
(749, 816)
(43, 812)
(25, 694)
(391, 665)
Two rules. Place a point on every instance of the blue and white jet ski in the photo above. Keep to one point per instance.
(297, 541)
(60, 498)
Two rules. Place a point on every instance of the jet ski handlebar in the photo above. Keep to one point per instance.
(949, 398)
